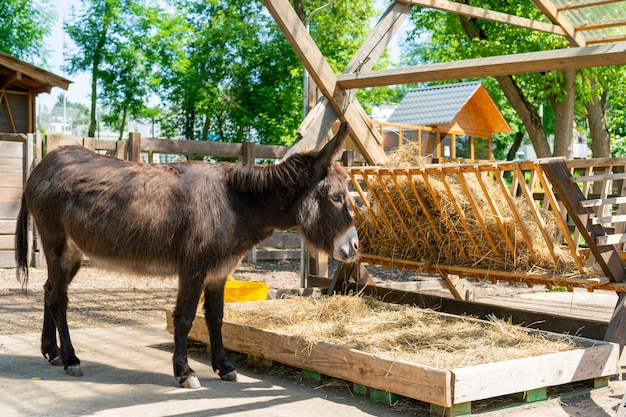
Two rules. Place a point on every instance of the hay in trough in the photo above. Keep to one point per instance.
(397, 332)
(428, 217)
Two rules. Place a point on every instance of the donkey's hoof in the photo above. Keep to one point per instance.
(191, 383)
(230, 376)
(74, 370)
(56, 361)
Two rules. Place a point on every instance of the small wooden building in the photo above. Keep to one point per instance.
(448, 121)
(20, 83)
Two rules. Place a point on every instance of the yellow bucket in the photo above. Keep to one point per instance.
(241, 291)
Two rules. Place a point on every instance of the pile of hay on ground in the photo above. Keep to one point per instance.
(397, 332)
(444, 239)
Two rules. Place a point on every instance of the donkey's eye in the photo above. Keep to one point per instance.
(337, 199)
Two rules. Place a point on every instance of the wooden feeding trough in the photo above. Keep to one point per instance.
(499, 221)
(451, 389)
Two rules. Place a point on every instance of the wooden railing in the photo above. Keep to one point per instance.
(138, 148)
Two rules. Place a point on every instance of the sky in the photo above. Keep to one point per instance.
(80, 88)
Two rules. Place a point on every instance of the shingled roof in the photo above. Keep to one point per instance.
(435, 105)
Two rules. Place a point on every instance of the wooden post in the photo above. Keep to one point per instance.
(249, 153)
(134, 147)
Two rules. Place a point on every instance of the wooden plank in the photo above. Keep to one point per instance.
(614, 239)
(12, 180)
(598, 202)
(9, 210)
(10, 195)
(552, 13)
(529, 62)
(7, 227)
(599, 177)
(8, 165)
(485, 14)
(7, 242)
(432, 385)
(12, 137)
(476, 382)
(11, 149)
(570, 195)
(609, 219)
(7, 259)
(277, 255)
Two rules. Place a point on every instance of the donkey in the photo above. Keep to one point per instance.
(193, 219)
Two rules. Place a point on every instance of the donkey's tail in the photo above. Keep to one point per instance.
(21, 246)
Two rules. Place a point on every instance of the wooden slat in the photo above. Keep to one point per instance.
(7, 259)
(529, 62)
(485, 14)
(614, 239)
(599, 177)
(7, 227)
(11, 149)
(472, 383)
(549, 9)
(10, 195)
(607, 257)
(7, 242)
(597, 202)
(9, 210)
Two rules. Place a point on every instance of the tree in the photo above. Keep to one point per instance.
(460, 37)
(23, 27)
(111, 38)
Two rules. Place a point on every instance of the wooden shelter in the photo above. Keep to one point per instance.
(447, 121)
(594, 29)
(20, 83)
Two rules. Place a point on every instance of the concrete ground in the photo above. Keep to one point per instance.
(128, 372)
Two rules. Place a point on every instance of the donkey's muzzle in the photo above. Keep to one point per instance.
(347, 246)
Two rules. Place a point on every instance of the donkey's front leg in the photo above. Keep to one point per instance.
(189, 289)
(214, 314)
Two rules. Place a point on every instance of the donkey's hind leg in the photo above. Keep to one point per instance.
(63, 263)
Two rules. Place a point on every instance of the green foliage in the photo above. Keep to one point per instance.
(24, 24)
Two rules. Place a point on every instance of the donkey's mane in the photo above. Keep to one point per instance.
(287, 174)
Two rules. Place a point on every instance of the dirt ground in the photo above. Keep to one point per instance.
(104, 299)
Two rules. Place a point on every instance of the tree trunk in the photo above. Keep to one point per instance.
(528, 115)
(596, 117)
(526, 111)
(564, 115)
(517, 142)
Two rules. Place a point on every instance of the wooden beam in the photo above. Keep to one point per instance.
(583, 57)
(363, 132)
(583, 4)
(10, 80)
(485, 14)
(551, 12)
(315, 126)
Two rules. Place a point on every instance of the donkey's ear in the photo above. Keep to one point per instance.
(333, 148)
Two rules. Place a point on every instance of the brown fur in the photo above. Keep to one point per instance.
(193, 219)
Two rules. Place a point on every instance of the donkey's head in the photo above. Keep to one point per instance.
(323, 216)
